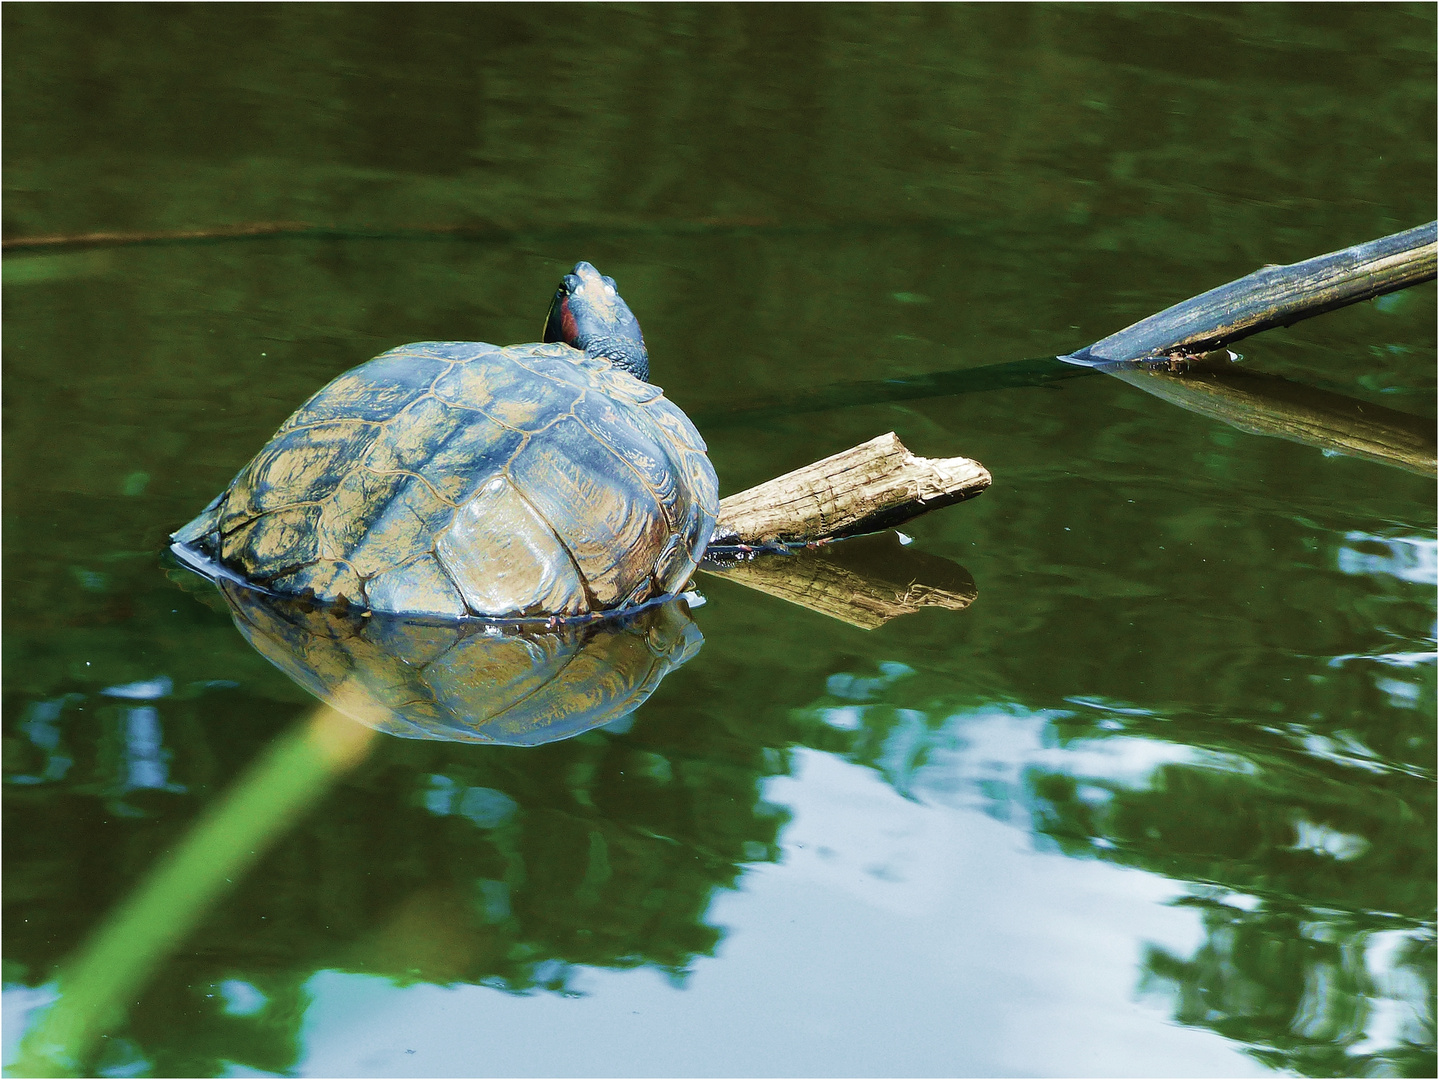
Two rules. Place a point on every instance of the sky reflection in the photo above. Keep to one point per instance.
(1020, 959)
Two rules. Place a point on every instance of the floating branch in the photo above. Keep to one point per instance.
(1273, 296)
(874, 486)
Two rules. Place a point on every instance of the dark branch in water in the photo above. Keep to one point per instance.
(1161, 355)
(1273, 296)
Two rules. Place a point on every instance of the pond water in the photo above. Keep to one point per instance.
(1159, 801)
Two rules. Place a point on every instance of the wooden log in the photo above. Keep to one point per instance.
(864, 582)
(1273, 296)
(874, 486)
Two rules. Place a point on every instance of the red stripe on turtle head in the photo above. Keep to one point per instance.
(560, 323)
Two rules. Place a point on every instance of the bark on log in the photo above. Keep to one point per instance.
(864, 582)
(1273, 296)
(874, 486)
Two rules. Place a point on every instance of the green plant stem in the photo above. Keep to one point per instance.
(104, 978)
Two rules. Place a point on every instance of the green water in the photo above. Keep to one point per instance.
(1159, 802)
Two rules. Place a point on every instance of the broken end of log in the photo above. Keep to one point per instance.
(874, 486)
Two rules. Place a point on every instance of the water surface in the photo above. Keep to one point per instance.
(1160, 801)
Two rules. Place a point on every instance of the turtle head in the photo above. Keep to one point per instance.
(588, 314)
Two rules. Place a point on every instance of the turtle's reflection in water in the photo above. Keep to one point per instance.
(469, 680)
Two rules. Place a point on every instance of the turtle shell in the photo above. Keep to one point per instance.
(461, 478)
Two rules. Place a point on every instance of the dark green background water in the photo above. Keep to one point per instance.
(1160, 802)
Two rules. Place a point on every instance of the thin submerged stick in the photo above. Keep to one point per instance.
(123, 238)
(491, 232)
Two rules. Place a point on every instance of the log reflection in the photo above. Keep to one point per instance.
(865, 582)
(1263, 404)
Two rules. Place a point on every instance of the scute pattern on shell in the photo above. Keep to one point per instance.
(455, 478)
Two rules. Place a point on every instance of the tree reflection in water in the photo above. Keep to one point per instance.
(1298, 844)
(1319, 950)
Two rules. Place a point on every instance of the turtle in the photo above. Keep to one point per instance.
(463, 479)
